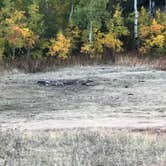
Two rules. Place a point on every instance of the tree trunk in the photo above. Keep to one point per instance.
(28, 53)
(71, 12)
(150, 8)
(136, 23)
(91, 33)
(153, 9)
(46, 1)
(14, 53)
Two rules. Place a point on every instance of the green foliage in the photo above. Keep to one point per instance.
(90, 10)
(35, 20)
(96, 48)
(116, 29)
(74, 34)
(109, 39)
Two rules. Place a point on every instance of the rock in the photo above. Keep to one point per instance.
(141, 81)
(126, 86)
(88, 83)
(44, 83)
(63, 82)
(130, 94)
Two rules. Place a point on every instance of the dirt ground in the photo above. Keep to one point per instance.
(121, 97)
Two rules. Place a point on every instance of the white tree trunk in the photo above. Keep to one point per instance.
(153, 8)
(150, 8)
(135, 20)
(91, 33)
(46, 1)
(71, 12)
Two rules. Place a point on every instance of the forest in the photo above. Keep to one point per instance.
(62, 28)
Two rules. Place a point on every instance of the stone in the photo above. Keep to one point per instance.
(66, 82)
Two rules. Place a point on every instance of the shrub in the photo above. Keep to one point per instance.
(96, 47)
(60, 46)
(152, 33)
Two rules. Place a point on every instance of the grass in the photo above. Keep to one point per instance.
(84, 147)
(132, 59)
(32, 65)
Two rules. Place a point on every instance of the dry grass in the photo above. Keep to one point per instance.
(44, 64)
(2, 68)
(133, 59)
(81, 148)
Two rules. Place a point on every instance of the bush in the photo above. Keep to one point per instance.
(152, 35)
(60, 46)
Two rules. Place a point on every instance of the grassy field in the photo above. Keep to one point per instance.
(73, 125)
(81, 147)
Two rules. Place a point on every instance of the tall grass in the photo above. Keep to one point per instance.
(44, 64)
(91, 147)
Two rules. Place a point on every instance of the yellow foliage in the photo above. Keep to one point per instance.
(156, 28)
(88, 49)
(152, 35)
(153, 42)
(144, 31)
(17, 17)
(158, 41)
(60, 47)
(117, 13)
(153, 28)
(18, 34)
(73, 33)
(144, 17)
(110, 41)
(158, 14)
(20, 37)
(15, 36)
(144, 48)
(96, 47)
(29, 37)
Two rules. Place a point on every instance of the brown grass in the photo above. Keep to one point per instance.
(2, 68)
(133, 59)
(81, 147)
(126, 59)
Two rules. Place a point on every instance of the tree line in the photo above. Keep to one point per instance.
(62, 28)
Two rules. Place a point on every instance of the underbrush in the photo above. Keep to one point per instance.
(32, 65)
(91, 147)
(132, 59)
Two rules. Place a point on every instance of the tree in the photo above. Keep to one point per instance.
(109, 39)
(89, 14)
(152, 33)
(20, 29)
(60, 46)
